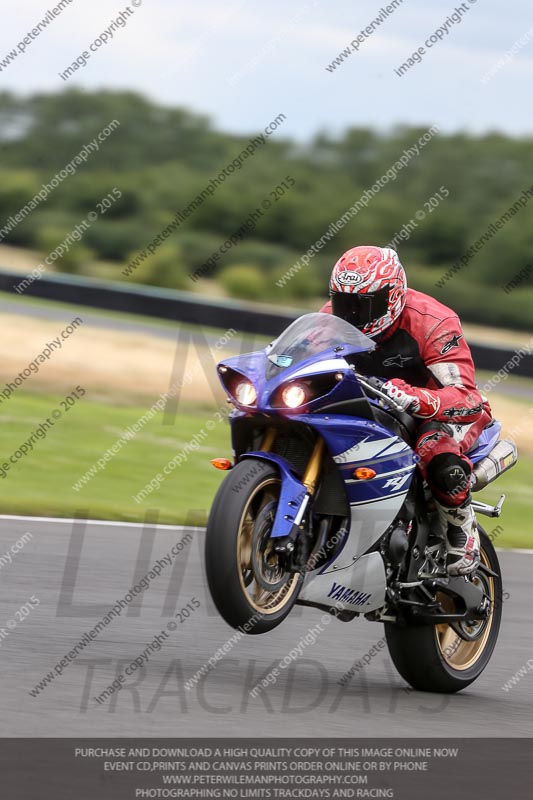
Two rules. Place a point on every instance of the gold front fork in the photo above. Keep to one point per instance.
(312, 472)
(268, 439)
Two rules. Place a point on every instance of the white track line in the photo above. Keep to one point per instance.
(116, 523)
(119, 524)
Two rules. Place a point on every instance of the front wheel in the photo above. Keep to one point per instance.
(248, 584)
(434, 658)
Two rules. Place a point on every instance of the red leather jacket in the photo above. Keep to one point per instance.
(426, 347)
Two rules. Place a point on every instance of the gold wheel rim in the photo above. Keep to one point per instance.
(259, 598)
(459, 654)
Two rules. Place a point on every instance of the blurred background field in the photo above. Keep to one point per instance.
(162, 157)
(124, 372)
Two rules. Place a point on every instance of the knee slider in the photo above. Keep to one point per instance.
(448, 472)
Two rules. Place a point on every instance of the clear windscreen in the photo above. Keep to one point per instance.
(310, 335)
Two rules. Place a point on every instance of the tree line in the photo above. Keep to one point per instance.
(270, 207)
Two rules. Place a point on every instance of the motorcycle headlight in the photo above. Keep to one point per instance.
(293, 395)
(240, 388)
(296, 393)
(245, 393)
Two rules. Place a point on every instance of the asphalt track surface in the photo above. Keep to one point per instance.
(78, 573)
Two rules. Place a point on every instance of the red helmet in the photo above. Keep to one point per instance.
(368, 288)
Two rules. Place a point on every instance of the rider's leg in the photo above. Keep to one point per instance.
(448, 473)
(449, 478)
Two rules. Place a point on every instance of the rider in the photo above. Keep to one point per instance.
(421, 350)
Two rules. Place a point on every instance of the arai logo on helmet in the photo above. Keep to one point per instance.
(348, 278)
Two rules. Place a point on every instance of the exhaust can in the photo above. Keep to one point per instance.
(502, 457)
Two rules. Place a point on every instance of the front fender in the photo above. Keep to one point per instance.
(292, 492)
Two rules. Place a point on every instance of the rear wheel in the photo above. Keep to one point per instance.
(248, 584)
(434, 658)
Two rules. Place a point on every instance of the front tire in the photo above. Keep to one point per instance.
(247, 583)
(433, 658)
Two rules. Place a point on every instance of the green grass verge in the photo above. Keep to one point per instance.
(517, 514)
(41, 483)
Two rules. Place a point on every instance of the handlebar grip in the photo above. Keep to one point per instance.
(376, 383)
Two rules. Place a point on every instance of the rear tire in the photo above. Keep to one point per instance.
(248, 585)
(433, 658)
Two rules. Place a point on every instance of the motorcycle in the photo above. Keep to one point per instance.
(324, 507)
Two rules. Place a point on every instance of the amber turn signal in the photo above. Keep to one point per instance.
(221, 463)
(364, 473)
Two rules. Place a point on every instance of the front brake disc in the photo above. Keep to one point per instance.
(268, 572)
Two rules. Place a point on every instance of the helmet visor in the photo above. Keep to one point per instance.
(360, 309)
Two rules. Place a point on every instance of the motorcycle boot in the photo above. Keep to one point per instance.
(462, 538)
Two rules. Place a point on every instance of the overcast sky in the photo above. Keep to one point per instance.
(243, 62)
